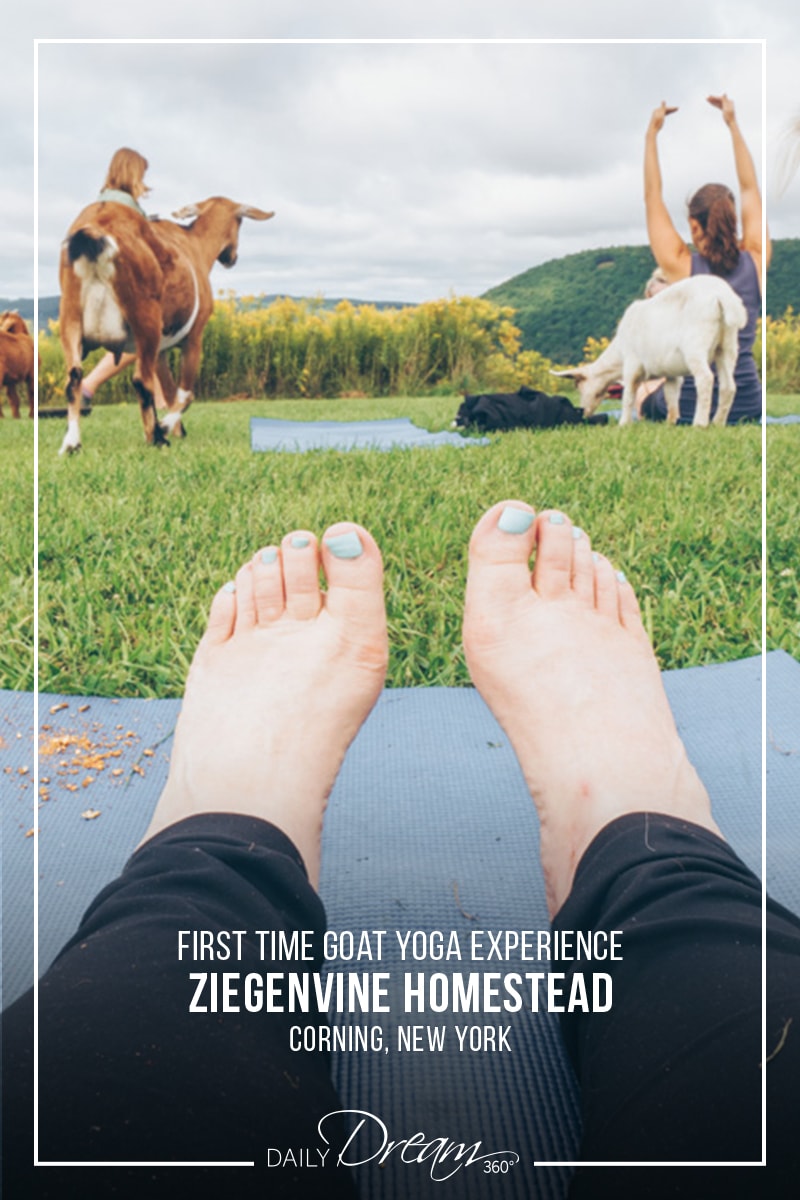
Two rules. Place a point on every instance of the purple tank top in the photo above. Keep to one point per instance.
(747, 404)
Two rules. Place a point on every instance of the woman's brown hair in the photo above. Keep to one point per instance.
(714, 209)
(126, 173)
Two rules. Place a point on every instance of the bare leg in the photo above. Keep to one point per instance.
(282, 681)
(104, 370)
(562, 659)
(672, 397)
(646, 389)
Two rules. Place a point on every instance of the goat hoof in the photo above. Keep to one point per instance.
(158, 436)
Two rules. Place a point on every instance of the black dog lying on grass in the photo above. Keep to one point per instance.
(525, 409)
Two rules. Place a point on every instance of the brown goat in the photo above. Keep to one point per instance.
(137, 285)
(16, 360)
(12, 322)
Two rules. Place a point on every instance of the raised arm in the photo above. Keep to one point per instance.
(749, 192)
(669, 249)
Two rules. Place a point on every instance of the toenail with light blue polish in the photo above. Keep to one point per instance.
(299, 542)
(515, 520)
(621, 576)
(345, 545)
(269, 556)
(556, 518)
(229, 587)
(576, 532)
(595, 557)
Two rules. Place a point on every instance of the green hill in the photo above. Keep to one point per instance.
(561, 303)
(783, 281)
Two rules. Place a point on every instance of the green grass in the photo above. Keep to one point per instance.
(783, 539)
(133, 542)
(781, 406)
(783, 522)
(16, 554)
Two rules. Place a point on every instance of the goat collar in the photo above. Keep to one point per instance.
(174, 339)
(119, 197)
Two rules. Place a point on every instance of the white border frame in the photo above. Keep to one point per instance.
(398, 41)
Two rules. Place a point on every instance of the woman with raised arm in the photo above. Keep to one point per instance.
(741, 261)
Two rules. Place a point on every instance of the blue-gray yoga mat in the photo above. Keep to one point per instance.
(429, 828)
(299, 436)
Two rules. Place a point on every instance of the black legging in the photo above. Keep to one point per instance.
(126, 1072)
(671, 1073)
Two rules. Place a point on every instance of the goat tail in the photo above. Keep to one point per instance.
(88, 242)
(732, 311)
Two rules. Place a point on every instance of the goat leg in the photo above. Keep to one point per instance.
(154, 434)
(72, 438)
(724, 404)
(13, 398)
(71, 334)
(629, 381)
(727, 385)
(190, 366)
(704, 383)
(145, 378)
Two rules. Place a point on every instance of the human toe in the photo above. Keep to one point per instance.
(629, 611)
(606, 587)
(245, 599)
(300, 558)
(353, 570)
(268, 585)
(552, 572)
(222, 616)
(499, 554)
(582, 568)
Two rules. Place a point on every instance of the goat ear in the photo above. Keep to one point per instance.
(257, 214)
(188, 210)
(571, 373)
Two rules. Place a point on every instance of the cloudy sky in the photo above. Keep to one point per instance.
(397, 171)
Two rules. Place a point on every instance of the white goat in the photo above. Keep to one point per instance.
(678, 332)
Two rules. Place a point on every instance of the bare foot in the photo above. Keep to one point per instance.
(562, 659)
(284, 677)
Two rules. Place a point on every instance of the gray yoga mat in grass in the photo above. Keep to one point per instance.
(429, 828)
(267, 433)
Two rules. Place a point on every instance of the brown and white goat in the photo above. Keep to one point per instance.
(130, 284)
(16, 360)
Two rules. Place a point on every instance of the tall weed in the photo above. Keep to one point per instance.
(299, 348)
